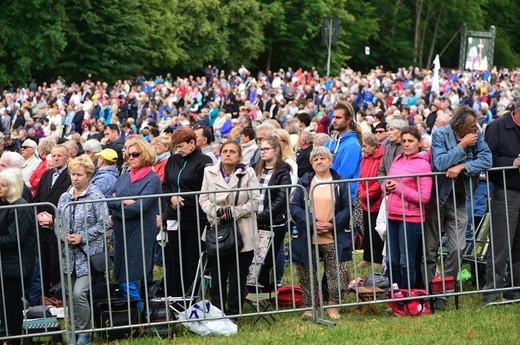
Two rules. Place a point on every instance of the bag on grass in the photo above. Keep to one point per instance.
(204, 318)
(416, 307)
(117, 312)
(289, 295)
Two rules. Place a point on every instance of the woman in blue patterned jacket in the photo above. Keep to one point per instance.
(81, 233)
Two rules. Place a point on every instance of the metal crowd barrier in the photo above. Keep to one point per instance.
(160, 311)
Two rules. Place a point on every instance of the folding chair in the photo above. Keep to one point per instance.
(262, 301)
(476, 255)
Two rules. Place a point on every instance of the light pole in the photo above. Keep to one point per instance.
(329, 36)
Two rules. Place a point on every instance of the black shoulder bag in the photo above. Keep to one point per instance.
(223, 238)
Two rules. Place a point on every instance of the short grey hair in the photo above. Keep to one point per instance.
(92, 145)
(269, 128)
(307, 136)
(460, 117)
(398, 124)
(370, 139)
(320, 151)
(320, 139)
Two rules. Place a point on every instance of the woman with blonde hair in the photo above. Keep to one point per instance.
(17, 248)
(81, 237)
(288, 154)
(134, 220)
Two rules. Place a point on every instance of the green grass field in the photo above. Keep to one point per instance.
(470, 324)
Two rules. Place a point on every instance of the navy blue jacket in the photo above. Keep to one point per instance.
(503, 139)
(301, 215)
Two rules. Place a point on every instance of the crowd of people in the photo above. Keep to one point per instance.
(66, 142)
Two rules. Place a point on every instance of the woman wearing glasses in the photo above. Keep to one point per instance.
(134, 220)
(271, 170)
(183, 217)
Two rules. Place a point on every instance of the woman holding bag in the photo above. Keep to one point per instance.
(82, 233)
(224, 207)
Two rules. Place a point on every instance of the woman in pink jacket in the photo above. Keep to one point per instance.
(406, 204)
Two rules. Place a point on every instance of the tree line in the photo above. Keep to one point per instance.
(119, 39)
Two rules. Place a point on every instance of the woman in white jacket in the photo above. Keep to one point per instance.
(220, 207)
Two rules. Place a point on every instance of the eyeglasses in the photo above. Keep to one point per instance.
(380, 132)
(134, 154)
(264, 149)
(26, 147)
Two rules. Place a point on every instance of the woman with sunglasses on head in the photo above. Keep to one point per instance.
(134, 220)
(271, 170)
(183, 173)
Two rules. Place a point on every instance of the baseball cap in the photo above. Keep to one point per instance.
(108, 154)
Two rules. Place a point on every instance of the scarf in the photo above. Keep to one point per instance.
(139, 174)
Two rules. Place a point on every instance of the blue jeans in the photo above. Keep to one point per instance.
(403, 241)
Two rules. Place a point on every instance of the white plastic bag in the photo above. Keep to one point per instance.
(201, 317)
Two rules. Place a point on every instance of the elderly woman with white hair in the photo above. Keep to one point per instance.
(17, 248)
(329, 217)
(28, 150)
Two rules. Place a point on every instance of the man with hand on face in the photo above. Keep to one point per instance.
(459, 150)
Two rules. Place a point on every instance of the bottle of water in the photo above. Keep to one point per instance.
(294, 232)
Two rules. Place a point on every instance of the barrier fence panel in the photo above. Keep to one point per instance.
(158, 265)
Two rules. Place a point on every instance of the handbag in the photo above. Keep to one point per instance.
(416, 307)
(98, 264)
(222, 238)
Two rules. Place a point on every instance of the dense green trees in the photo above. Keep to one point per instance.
(118, 39)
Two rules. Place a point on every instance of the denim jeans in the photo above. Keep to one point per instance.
(403, 240)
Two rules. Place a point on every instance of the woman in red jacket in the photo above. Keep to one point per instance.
(370, 195)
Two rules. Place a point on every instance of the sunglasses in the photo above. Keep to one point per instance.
(134, 154)
(263, 149)
(380, 131)
(26, 147)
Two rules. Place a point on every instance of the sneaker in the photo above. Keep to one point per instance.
(490, 299)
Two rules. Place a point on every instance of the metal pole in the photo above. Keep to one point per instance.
(329, 44)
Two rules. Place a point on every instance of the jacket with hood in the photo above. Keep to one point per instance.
(346, 153)
(105, 179)
(408, 201)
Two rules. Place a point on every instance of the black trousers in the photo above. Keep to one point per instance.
(263, 278)
(12, 302)
(181, 256)
(231, 280)
(372, 242)
(50, 265)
